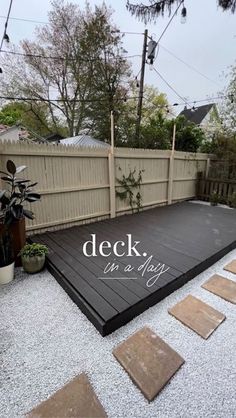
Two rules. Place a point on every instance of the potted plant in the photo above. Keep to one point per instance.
(214, 198)
(6, 256)
(13, 199)
(33, 257)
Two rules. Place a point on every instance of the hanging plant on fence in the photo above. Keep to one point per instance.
(130, 185)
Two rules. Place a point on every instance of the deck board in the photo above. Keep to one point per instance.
(186, 237)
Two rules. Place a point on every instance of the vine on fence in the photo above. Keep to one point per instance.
(129, 184)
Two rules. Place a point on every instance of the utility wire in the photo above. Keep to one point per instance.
(168, 84)
(34, 99)
(23, 20)
(46, 23)
(121, 99)
(6, 24)
(168, 24)
(188, 65)
(22, 54)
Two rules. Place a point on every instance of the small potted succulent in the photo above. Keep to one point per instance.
(33, 257)
(214, 198)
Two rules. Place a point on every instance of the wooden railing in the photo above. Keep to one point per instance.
(224, 188)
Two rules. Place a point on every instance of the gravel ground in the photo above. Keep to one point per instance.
(45, 341)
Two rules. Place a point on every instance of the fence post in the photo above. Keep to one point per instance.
(208, 161)
(111, 164)
(171, 167)
(1, 166)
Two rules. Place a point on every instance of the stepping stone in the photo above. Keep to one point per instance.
(148, 360)
(231, 267)
(222, 287)
(197, 315)
(76, 399)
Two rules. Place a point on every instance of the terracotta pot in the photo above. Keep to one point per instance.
(33, 264)
(17, 230)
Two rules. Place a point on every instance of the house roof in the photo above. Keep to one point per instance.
(84, 141)
(54, 137)
(196, 116)
(6, 128)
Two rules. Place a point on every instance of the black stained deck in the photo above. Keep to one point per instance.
(186, 237)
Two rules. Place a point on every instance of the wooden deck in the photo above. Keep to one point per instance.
(185, 238)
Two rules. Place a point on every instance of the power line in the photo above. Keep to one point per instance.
(168, 84)
(23, 20)
(17, 98)
(188, 65)
(46, 23)
(34, 99)
(5, 36)
(22, 54)
(168, 24)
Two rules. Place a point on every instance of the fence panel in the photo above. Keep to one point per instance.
(75, 182)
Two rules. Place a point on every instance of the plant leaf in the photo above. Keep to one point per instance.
(28, 214)
(31, 199)
(21, 181)
(35, 195)
(20, 169)
(11, 167)
(2, 192)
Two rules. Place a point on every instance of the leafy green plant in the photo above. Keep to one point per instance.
(18, 191)
(129, 184)
(232, 200)
(34, 250)
(214, 198)
(12, 200)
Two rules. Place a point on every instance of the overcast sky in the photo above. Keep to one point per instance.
(207, 41)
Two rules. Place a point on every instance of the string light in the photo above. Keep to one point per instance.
(183, 14)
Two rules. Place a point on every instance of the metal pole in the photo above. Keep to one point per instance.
(140, 100)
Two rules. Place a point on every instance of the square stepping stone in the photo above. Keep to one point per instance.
(222, 287)
(76, 399)
(231, 267)
(148, 360)
(197, 315)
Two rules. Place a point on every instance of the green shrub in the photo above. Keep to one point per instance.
(232, 200)
(34, 250)
(214, 198)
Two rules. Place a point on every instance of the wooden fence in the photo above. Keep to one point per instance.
(78, 184)
(223, 188)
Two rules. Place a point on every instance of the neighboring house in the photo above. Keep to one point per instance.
(10, 133)
(84, 141)
(18, 133)
(54, 138)
(205, 116)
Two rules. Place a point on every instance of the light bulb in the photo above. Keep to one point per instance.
(184, 15)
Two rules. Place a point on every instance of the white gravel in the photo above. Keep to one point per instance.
(45, 341)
